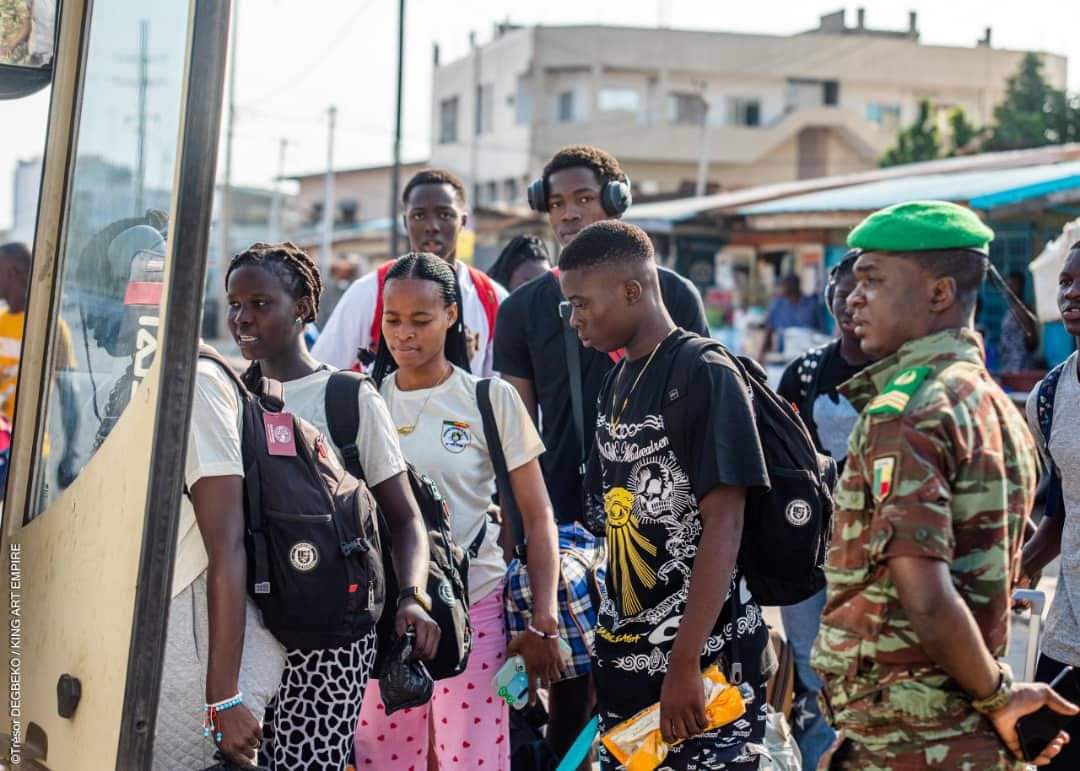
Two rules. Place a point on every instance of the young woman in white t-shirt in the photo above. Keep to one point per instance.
(273, 291)
(422, 369)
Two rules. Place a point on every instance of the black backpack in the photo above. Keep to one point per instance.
(786, 529)
(315, 568)
(448, 571)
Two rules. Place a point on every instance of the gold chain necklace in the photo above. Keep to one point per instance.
(617, 419)
(409, 428)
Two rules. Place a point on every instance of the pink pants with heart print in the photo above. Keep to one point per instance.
(469, 724)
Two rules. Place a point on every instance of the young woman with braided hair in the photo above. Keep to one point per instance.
(273, 291)
(422, 370)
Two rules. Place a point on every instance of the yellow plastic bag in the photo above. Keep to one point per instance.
(637, 744)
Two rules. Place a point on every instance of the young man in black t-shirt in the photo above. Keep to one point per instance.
(810, 382)
(674, 601)
(530, 352)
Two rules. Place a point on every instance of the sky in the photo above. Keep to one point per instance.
(295, 58)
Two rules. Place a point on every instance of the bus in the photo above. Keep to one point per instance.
(107, 364)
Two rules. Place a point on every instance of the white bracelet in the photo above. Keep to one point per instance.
(545, 635)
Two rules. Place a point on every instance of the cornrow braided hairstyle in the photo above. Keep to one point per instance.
(426, 267)
(298, 273)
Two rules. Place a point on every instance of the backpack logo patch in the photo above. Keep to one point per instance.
(446, 593)
(798, 512)
(303, 556)
(455, 436)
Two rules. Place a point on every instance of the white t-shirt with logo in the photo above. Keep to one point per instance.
(349, 327)
(377, 438)
(213, 451)
(448, 445)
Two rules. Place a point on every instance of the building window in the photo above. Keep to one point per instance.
(523, 102)
(510, 190)
(803, 92)
(448, 121)
(476, 193)
(886, 116)
(491, 192)
(618, 100)
(485, 108)
(564, 110)
(744, 112)
(688, 109)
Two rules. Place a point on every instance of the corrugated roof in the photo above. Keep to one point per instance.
(984, 190)
(661, 215)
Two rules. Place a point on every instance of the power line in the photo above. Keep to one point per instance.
(325, 52)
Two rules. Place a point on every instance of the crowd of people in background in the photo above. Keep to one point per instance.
(601, 534)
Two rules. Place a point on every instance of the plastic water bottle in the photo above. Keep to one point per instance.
(511, 682)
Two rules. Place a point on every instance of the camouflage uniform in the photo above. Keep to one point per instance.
(940, 465)
(14, 31)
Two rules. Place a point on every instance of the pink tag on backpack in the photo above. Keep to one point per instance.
(280, 438)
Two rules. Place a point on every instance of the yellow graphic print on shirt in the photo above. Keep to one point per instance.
(625, 543)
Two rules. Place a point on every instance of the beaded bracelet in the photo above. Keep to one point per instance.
(545, 635)
(210, 719)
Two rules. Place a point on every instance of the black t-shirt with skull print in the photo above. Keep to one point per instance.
(653, 527)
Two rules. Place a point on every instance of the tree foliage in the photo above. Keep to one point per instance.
(917, 142)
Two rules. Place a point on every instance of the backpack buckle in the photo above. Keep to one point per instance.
(355, 545)
(736, 672)
(350, 452)
(263, 587)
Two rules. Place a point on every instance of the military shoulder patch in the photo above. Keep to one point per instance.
(884, 468)
(898, 392)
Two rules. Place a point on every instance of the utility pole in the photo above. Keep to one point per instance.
(142, 84)
(474, 142)
(226, 185)
(275, 202)
(140, 153)
(395, 181)
(327, 247)
(703, 144)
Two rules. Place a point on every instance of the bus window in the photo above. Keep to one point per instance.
(112, 247)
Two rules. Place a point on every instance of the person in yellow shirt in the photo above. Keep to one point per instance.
(15, 260)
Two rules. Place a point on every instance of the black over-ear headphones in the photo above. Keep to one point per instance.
(615, 196)
(834, 272)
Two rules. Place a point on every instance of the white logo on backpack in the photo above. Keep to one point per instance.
(798, 512)
(303, 556)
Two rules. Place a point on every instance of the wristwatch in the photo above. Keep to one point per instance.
(423, 599)
(999, 698)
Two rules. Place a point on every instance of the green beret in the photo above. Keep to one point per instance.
(921, 226)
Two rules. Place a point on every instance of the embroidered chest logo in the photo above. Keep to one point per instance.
(303, 556)
(626, 544)
(455, 436)
(798, 512)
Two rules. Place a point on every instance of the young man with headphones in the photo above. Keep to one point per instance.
(559, 379)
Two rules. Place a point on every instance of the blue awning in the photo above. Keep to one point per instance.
(984, 190)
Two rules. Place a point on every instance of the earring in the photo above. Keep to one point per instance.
(299, 321)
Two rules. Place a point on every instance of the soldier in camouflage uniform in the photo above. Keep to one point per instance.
(14, 31)
(939, 481)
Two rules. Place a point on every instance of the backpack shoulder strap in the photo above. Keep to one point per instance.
(1044, 409)
(810, 372)
(498, 459)
(678, 385)
(376, 321)
(210, 353)
(1044, 404)
(343, 416)
(489, 298)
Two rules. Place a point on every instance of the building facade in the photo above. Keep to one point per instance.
(757, 108)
